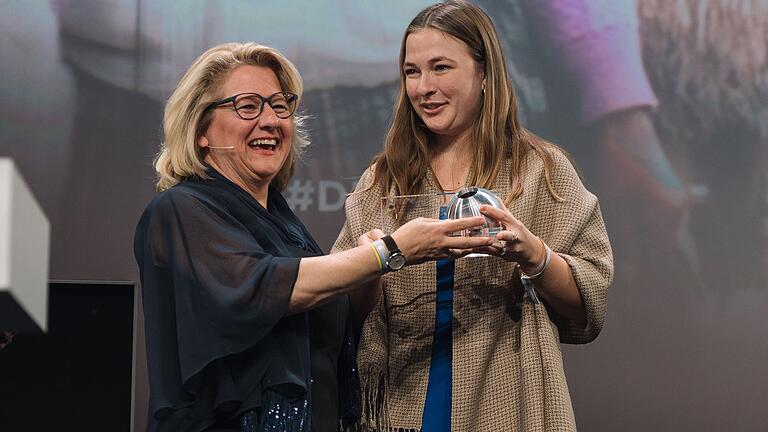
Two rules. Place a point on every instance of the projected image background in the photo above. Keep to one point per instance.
(663, 105)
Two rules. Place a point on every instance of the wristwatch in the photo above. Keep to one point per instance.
(396, 259)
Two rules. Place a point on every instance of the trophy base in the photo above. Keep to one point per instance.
(478, 232)
(477, 255)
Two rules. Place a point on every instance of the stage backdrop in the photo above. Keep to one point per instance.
(663, 105)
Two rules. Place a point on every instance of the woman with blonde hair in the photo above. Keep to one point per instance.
(245, 320)
(473, 344)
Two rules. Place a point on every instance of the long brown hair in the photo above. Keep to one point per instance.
(404, 163)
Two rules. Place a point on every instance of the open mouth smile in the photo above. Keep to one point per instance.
(264, 143)
(431, 107)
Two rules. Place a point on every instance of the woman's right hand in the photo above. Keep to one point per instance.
(425, 239)
(370, 237)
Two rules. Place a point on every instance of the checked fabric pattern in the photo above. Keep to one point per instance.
(507, 365)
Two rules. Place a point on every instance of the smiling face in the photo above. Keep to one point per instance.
(259, 146)
(443, 82)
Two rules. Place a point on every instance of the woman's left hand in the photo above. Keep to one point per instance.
(515, 242)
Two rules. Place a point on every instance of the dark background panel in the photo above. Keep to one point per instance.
(78, 375)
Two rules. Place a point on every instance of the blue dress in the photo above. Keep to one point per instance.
(437, 407)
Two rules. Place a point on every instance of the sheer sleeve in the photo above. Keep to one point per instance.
(210, 289)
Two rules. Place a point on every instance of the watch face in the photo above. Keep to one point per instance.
(396, 261)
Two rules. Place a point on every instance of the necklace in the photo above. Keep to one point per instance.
(447, 165)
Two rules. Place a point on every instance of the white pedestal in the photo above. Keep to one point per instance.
(24, 246)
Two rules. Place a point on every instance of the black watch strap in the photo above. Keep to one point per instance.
(390, 243)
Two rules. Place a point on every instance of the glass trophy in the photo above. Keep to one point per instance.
(466, 203)
(399, 209)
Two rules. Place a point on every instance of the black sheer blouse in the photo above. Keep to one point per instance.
(217, 271)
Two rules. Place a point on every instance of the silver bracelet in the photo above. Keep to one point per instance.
(527, 280)
(543, 267)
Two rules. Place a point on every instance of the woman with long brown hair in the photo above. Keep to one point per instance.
(473, 344)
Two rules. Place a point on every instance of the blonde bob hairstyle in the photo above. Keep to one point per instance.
(404, 162)
(185, 118)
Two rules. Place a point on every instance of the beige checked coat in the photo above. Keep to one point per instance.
(507, 365)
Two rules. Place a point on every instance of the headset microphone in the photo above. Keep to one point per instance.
(221, 147)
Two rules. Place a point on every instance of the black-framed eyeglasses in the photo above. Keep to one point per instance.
(248, 106)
